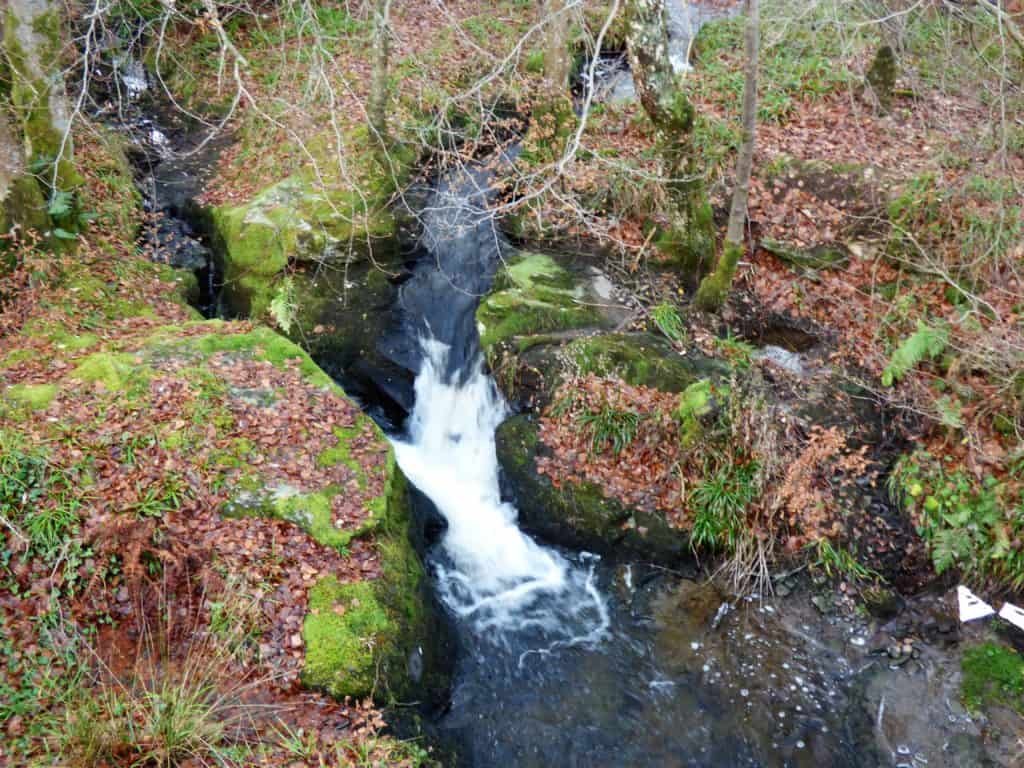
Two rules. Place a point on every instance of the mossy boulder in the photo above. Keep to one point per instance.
(641, 359)
(380, 638)
(535, 296)
(307, 218)
(578, 515)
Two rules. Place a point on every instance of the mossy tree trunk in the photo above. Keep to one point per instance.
(32, 49)
(691, 233)
(22, 206)
(377, 107)
(881, 76)
(715, 287)
(557, 60)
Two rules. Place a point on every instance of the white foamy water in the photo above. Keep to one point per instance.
(499, 578)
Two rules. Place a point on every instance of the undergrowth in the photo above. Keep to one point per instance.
(975, 526)
(720, 504)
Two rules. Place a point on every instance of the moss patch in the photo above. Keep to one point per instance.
(993, 674)
(641, 360)
(535, 296)
(264, 343)
(344, 626)
(32, 396)
(113, 370)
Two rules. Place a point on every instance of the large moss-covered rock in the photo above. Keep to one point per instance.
(292, 221)
(641, 359)
(332, 215)
(380, 638)
(534, 296)
(578, 514)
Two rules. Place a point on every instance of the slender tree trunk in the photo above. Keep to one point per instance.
(557, 62)
(377, 107)
(690, 237)
(715, 287)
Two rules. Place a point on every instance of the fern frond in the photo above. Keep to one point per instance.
(926, 342)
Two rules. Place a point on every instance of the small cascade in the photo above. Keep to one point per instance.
(494, 576)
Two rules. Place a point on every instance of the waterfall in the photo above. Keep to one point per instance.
(495, 576)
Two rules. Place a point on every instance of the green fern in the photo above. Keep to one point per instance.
(283, 307)
(926, 342)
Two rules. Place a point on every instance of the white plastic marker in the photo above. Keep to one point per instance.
(1012, 614)
(971, 606)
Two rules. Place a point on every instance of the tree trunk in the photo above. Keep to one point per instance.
(557, 62)
(377, 107)
(32, 47)
(690, 237)
(715, 287)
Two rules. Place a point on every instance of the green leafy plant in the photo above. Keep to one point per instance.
(720, 504)
(283, 307)
(610, 427)
(976, 526)
(736, 350)
(927, 342)
(667, 318)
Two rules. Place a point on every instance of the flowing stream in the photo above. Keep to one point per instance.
(568, 660)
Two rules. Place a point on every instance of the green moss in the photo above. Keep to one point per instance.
(341, 454)
(535, 296)
(359, 637)
(312, 513)
(32, 396)
(992, 674)
(23, 206)
(113, 370)
(694, 404)
(16, 356)
(345, 625)
(262, 342)
(639, 359)
(714, 288)
(71, 342)
(689, 242)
